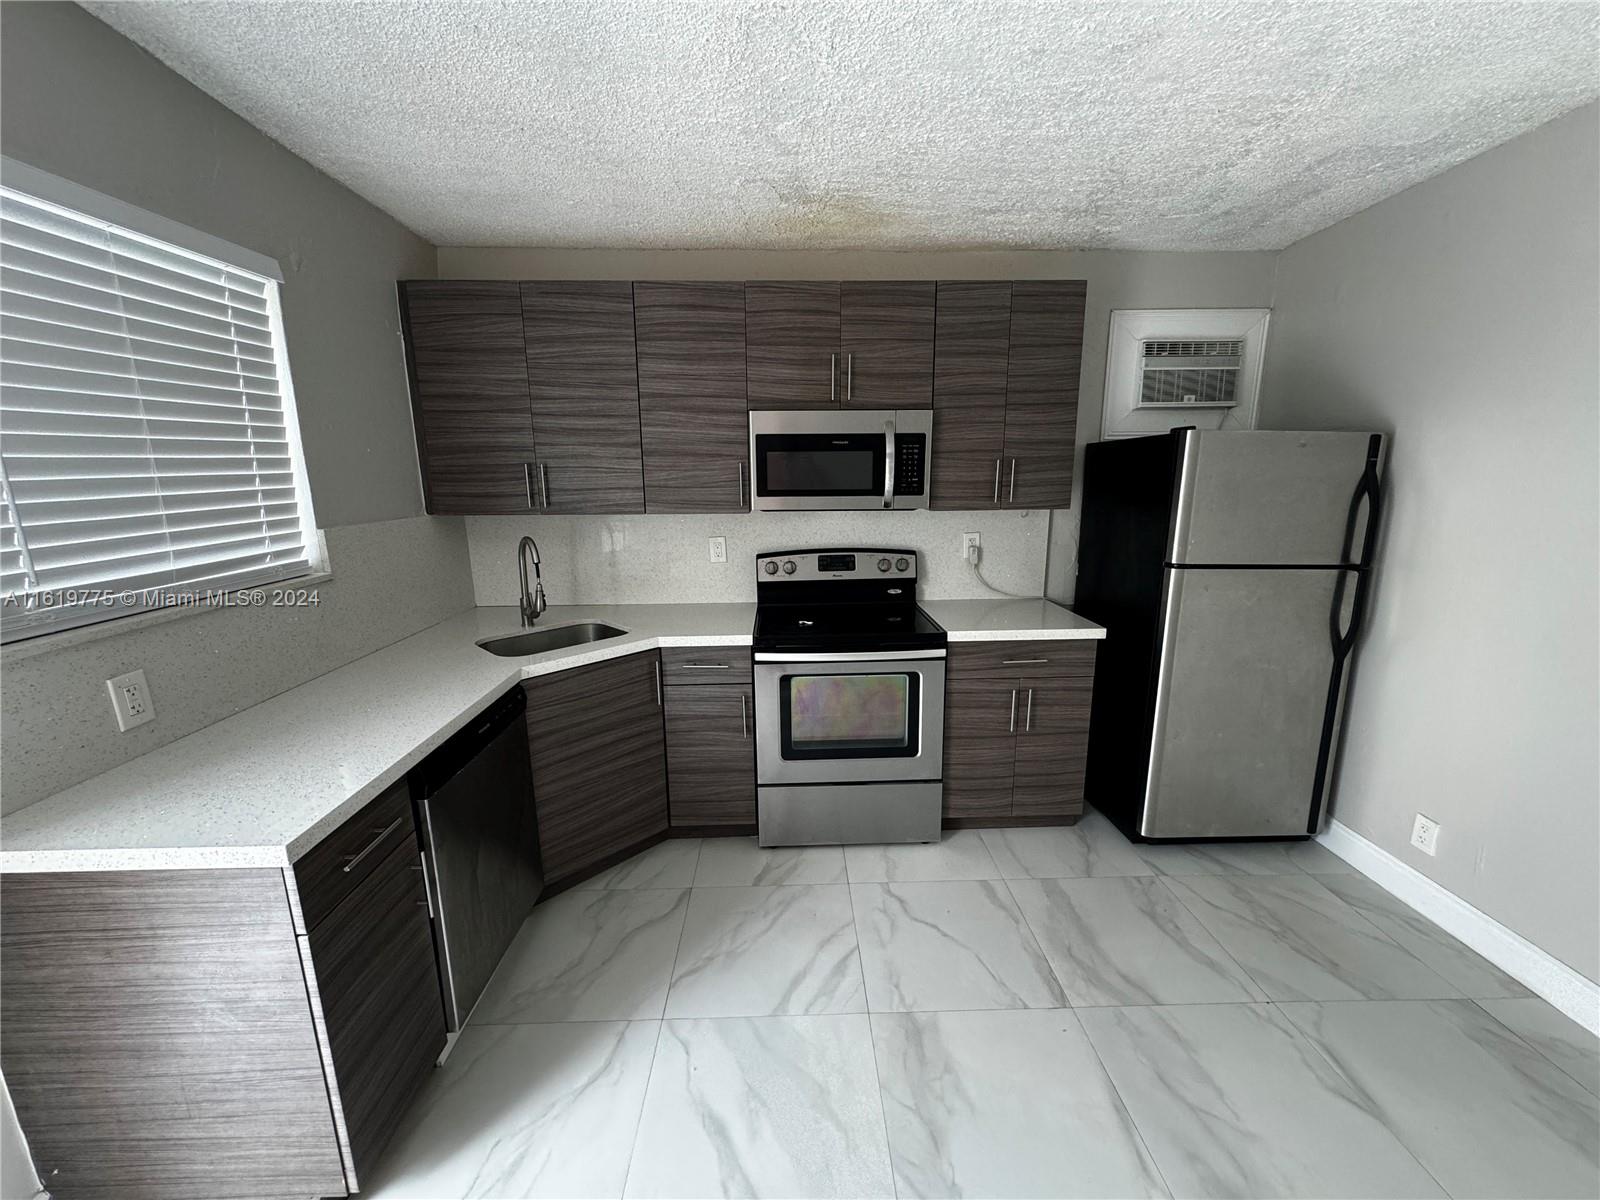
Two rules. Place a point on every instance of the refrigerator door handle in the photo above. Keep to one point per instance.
(1367, 492)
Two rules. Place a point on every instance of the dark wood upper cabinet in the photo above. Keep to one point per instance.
(972, 349)
(469, 383)
(691, 347)
(599, 761)
(1046, 358)
(711, 760)
(886, 333)
(792, 344)
(583, 382)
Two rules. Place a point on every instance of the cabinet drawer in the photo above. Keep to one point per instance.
(1059, 659)
(333, 868)
(378, 982)
(705, 664)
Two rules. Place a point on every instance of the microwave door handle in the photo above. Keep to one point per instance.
(888, 464)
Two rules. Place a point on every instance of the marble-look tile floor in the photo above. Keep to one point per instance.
(1012, 1013)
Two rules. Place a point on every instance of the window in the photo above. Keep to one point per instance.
(149, 455)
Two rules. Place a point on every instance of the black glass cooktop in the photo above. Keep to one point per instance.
(846, 628)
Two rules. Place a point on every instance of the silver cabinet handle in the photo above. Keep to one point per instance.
(544, 487)
(997, 481)
(833, 379)
(527, 481)
(1028, 726)
(1011, 495)
(658, 682)
(744, 716)
(353, 859)
(1021, 662)
(715, 666)
(849, 376)
(888, 464)
(741, 483)
(1012, 728)
(427, 888)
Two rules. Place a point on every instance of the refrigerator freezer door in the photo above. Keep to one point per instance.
(1265, 498)
(1242, 700)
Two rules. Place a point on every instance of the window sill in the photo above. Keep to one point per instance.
(67, 639)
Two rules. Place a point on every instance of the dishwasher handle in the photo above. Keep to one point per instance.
(461, 747)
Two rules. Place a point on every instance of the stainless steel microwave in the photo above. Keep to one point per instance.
(834, 458)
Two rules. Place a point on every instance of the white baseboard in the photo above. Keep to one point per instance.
(1542, 973)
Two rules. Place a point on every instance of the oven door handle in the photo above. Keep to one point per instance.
(888, 464)
(890, 656)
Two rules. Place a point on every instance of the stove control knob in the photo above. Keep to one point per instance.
(788, 566)
(883, 564)
(770, 566)
(901, 564)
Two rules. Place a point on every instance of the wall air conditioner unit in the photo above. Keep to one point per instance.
(1189, 372)
(1172, 367)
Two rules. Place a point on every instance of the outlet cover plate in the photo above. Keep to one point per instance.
(130, 700)
(1425, 834)
(969, 542)
(719, 549)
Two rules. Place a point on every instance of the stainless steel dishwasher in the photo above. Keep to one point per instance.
(480, 844)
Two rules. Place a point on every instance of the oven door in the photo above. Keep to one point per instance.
(849, 718)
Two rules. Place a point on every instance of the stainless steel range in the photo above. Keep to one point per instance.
(849, 697)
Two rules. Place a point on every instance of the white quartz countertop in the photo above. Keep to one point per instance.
(262, 787)
(1003, 620)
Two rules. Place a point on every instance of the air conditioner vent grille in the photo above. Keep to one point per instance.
(1172, 348)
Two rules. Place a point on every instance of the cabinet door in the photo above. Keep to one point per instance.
(1046, 356)
(692, 396)
(792, 345)
(599, 763)
(583, 379)
(1052, 746)
(978, 746)
(711, 761)
(886, 338)
(970, 354)
(469, 395)
(379, 985)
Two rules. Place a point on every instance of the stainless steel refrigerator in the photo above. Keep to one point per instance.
(1230, 570)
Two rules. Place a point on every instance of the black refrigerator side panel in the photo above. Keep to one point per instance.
(1128, 492)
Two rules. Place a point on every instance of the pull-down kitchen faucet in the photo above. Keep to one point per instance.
(532, 605)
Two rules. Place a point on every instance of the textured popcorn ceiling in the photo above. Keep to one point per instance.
(874, 123)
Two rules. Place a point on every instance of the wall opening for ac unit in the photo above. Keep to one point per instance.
(1171, 367)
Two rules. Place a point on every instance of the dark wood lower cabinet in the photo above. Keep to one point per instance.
(157, 1038)
(378, 985)
(711, 760)
(1016, 729)
(599, 761)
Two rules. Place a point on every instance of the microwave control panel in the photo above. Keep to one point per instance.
(910, 464)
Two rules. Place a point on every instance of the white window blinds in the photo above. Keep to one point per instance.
(146, 456)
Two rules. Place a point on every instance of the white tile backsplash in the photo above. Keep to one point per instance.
(664, 559)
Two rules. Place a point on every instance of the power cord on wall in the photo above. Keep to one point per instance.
(974, 557)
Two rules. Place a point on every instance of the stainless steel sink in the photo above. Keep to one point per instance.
(557, 637)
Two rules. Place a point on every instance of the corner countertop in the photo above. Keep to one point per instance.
(262, 787)
(1005, 620)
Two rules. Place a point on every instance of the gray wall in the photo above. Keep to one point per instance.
(1117, 279)
(81, 101)
(1460, 316)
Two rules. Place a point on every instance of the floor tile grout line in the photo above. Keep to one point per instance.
(872, 1044)
(1116, 1091)
(1038, 945)
(644, 1098)
(1266, 997)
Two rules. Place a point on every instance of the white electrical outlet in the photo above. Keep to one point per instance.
(719, 549)
(130, 700)
(1425, 834)
(969, 546)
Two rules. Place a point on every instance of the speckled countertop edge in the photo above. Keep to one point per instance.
(264, 786)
